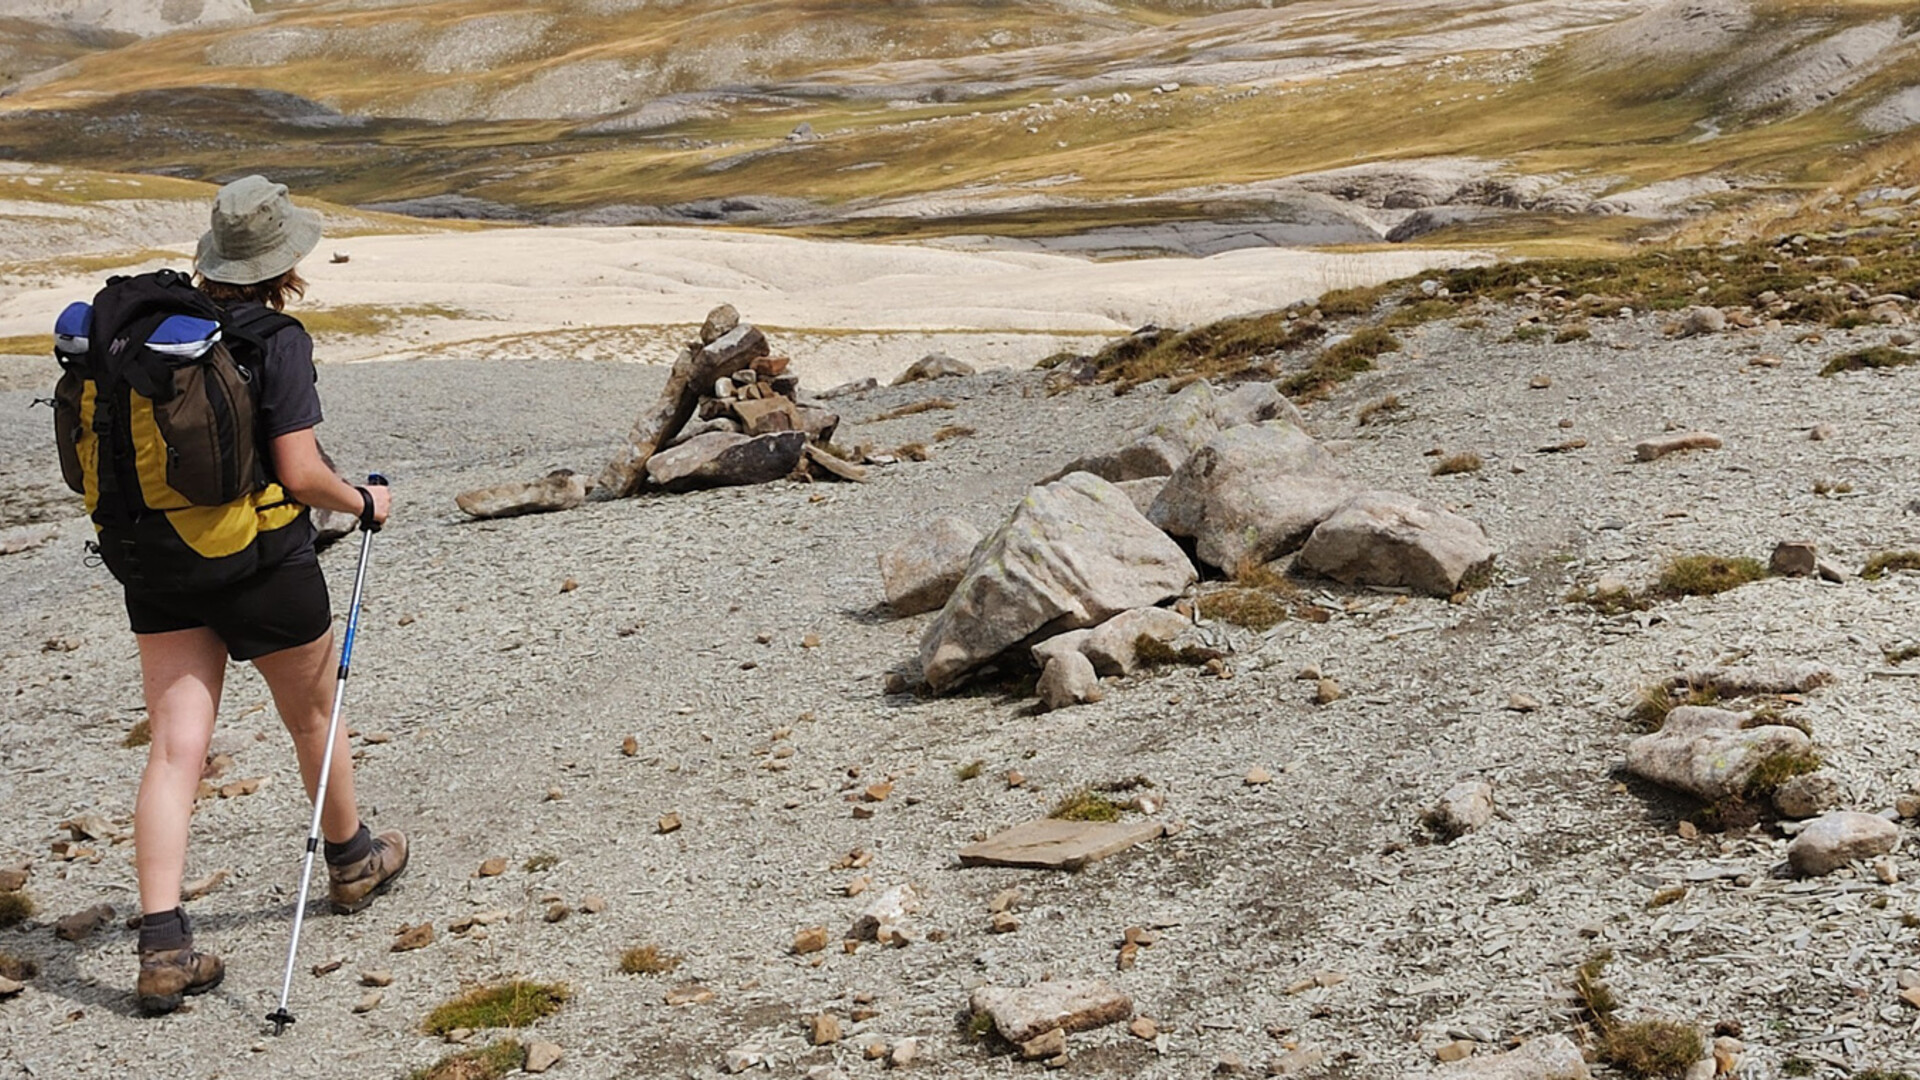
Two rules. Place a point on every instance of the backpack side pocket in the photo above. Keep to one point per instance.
(69, 429)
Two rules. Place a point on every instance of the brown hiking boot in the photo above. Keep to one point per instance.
(167, 976)
(354, 885)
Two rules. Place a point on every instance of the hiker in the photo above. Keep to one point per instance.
(278, 616)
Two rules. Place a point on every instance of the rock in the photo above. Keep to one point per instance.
(811, 940)
(412, 937)
(1184, 426)
(1111, 645)
(199, 887)
(818, 423)
(1457, 1050)
(81, 924)
(721, 460)
(1251, 494)
(904, 1053)
(1833, 840)
(1072, 641)
(1795, 558)
(835, 466)
(1143, 1028)
(1707, 753)
(1700, 319)
(689, 994)
(1386, 538)
(13, 878)
(1051, 844)
(1254, 403)
(1296, 1062)
(934, 366)
(541, 1054)
(1003, 922)
(1257, 777)
(1073, 554)
(368, 1002)
(669, 822)
(1067, 680)
(561, 489)
(1830, 571)
(825, 1030)
(1806, 796)
(592, 904)
(1522, 702)
(1327, 691)
(1661, 445)
(331, 526)
(376, 977)
(1464, 807)
(920, 572)
(493, 867)
(1142, 491)
(767, 416)
(8, 987)
(1048, 1044)
(1549, 1057)
(1820, 432)
(857, 386)
(741, 1058)
(1907, 805)
(1025, 1013)
(890, 908)
(721, 321)
(1775, 678)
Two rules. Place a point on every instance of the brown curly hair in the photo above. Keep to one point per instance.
(272, 292)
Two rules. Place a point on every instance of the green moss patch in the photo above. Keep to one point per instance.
(1707, 575)
(487, 1063)
(1087, 804)
(1873, 359)
(1652, 1048)
(1341, 361)
(1219, 350)
(17, 968)
(513, 1004)
(1778, 768)
(140, 734)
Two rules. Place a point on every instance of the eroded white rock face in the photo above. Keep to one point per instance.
(1073, 554)
(142, 17)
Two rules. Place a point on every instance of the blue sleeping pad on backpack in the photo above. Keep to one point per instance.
(184, 336)
(72, 329)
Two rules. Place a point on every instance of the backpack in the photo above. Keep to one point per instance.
(154, 424)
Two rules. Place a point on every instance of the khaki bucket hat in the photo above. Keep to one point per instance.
(258, 234)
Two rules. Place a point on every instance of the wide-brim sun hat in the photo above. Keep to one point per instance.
(257, 235)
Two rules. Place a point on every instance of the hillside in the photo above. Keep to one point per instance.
(1081, 125)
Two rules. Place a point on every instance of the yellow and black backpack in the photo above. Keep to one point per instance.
(154, 423)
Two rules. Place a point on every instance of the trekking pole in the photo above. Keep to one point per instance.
(280, 1017)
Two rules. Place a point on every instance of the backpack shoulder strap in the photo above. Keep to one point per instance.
(254, 328)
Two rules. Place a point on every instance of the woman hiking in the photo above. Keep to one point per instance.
(279, 618)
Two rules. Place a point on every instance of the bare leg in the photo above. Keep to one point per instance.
(181, 673)
(302, 682)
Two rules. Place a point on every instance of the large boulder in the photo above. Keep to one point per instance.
(561, 489)
(1709, 753)
(1073, 554)
(934, 366)
(1833, 840)
(1253, 403)
(919, 573)
(1251, 494)
(1185, 425)
(718, 459)
(1386, 538)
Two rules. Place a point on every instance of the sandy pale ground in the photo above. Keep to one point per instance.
(611, 293)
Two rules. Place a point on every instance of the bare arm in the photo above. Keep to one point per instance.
(307, 476)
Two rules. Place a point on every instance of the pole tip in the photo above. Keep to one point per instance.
(280, 1018)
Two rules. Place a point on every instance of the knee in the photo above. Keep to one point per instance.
(181, 745)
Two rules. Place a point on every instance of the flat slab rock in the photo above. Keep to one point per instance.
(1023, 1013)
(1549, 1057)
(1050, 844)
(561, 489)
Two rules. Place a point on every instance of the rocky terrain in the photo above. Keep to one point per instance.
(670, 721)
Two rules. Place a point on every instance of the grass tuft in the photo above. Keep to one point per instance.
(647, 960)
(540, 862)
(15, 908)
(1653, 1048)
(1706, 575)
(1878, 566)
(1873, 359)
(1341, 361)
(487, 1063)
(1595, 996)
(1086, 804)
(970, 771)
(1218, 350)
(1455, 464)
(140, 734)
(513, 1004)
(1777, 769)
(952, 431)
(1572, 332)
(1375, 411)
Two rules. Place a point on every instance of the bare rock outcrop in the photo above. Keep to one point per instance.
(1709, 753)
(920, 572)
(1251, 494)
(1386, 538)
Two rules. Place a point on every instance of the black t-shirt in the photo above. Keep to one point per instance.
(285, 396)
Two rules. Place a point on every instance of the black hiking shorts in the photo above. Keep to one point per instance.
(281, 607)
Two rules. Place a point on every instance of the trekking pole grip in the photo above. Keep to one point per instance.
(367, 522)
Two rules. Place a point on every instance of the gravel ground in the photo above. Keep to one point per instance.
(487, 686)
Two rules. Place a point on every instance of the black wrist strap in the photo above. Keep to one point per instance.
(366, 510)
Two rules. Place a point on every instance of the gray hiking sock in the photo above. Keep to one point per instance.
(164, 930)
(353, 850)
